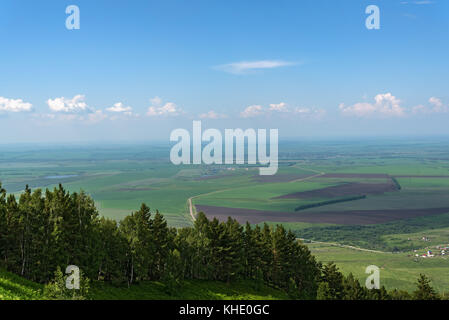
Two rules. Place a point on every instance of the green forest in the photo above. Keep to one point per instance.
(43, 232)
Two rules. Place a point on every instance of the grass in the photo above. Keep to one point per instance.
(13, 287)
(189, 290)
(396, 270)
(260, 196)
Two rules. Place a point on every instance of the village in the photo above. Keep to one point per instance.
(439, 250)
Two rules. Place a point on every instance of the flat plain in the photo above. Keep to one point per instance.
(378, 195)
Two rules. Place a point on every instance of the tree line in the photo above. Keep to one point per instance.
(328, 202)
(42, 232)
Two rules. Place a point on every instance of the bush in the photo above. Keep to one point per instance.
(57, 290)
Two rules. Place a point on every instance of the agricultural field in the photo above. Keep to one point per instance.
(397, 270)
(378, 195)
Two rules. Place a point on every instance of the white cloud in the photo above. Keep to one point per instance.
(14, 105)
(436, 102)
(437, 106)
(280, 107)
(245, 66)
(283, 110)
(156, 101)
(74, 105)
(309, 112)
(385, 105)
(120, 108)
(212, 115)
(168, 109)
(252, 111)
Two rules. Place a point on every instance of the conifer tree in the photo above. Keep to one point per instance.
(424, 290)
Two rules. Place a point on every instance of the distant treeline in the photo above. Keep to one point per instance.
(44, 232)
(396, 183)
(325, 203)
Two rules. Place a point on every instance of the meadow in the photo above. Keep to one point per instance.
(397, 270)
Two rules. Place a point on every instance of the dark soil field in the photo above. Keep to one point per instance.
(415, 176)
(356, 175)
(343, 190)
(356, 217)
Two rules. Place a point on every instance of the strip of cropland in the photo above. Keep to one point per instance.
(354, 217)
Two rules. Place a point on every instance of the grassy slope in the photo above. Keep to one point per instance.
(13, 287)
(190, 290)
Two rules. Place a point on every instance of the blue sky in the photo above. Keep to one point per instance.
(138, 69)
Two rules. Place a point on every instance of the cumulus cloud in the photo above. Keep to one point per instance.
(283, 110)
(120, 108)
(252, 111)
(14, 105)
(385, 105)
(436, 106)
(436, 102)
(246, 66)
(74, 105)
(159, 109)
(212, 115)
(280, 107)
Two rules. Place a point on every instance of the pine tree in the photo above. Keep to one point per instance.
(334, 280)
(112, 249)
(136, 228)
(424, 290)
(352, 290)
(161, 239)
(267, 254)
(3, 227)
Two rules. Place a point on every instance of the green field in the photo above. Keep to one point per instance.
(397, 270)
(121, 177)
